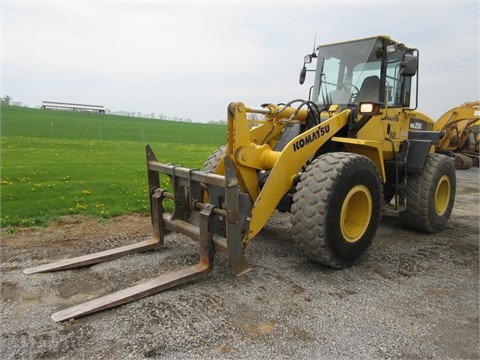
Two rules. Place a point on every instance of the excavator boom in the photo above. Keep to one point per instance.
(461, 126)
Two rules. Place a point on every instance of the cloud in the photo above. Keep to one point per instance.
(190, 59)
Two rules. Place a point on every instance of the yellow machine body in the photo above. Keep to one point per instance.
(461, 126)
(333, 161)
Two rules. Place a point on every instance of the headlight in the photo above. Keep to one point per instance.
(369, 108)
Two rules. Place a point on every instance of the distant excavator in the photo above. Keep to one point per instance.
(461, 126)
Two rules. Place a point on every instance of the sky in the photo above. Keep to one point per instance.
(190, 59)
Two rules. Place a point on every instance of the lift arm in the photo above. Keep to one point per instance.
(248, 155)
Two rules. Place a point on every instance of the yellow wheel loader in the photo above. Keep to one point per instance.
(334, 161)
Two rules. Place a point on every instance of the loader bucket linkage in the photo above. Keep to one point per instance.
(216, 225)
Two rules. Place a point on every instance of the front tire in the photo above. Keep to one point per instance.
(336, 209)
(214, 160)
(430, 195)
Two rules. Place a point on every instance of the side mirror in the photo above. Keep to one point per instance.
(303, 74)
(307, 59)
(409, 65)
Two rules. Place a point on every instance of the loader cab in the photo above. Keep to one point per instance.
(374, 69)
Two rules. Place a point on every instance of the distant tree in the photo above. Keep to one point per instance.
(219, 122)
(254, 117)
(6, 100)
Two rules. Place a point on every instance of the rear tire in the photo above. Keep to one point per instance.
(430, 195)
(336, 209)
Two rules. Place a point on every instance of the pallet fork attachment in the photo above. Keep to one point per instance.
(217, 224)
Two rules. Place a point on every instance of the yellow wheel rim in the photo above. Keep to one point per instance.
(442, 195)
(356, 213)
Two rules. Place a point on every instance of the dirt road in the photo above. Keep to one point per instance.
(413, 296)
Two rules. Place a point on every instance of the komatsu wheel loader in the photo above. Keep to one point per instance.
(334, 161)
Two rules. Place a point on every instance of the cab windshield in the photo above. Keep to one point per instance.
(349, 73)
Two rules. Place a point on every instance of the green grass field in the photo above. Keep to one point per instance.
(55, 163)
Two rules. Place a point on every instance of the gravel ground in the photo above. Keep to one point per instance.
(413, 296)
